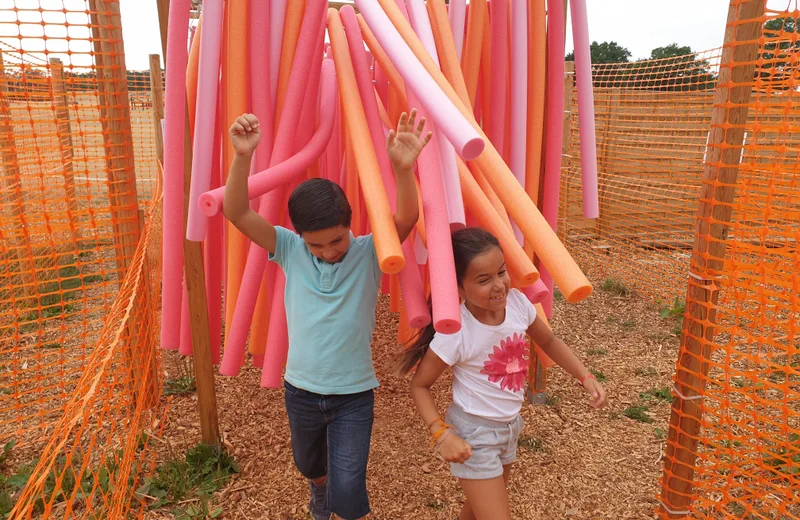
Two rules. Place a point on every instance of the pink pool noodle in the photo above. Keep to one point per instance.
(175, 110)
(458, 18)
(497, 114)
(213, 253)
(447, 157)
(277, 16)
(260, 88)
(537, 292)
(448, 118)
(519, 94)
(205, 116)
(381, 83)
(271, 204)
(444, 293)
(555, 121)
(277, 347)
(583, 76)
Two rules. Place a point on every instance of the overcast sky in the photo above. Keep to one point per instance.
(639, 25)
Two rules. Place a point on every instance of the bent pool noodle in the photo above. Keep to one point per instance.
(447, 156)
(277, 15)
(457, 15)
(275, 335)
(519, 102)
(549, 249)
(444, 293)
(438, 107)
(387, 244)
(270, 206)
(497, 113)
(174, 126)
(583, 76)
(205, 116)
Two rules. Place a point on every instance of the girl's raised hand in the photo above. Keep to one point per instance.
(596, 391)
(405, 144)
(245, 134)
(455, 449)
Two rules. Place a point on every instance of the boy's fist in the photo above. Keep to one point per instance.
(405, 144)
(245, 134)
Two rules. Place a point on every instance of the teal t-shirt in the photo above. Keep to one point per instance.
(330, 315)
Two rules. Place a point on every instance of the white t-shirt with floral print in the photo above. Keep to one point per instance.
(490, 362)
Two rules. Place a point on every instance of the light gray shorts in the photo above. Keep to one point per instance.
(494, 444)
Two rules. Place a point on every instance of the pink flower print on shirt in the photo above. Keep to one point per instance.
(508, 363)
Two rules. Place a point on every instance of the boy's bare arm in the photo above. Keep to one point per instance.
(404, 147)
(245, 134)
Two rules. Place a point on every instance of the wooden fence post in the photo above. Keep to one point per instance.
(734, 89)
(157, 96)
(196, 287)
(115, 116)
(64, 133)
(11, 198)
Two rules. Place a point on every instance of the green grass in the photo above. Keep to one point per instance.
(190, 480)
(553, 400)
(436, 504)
(660, 434)
(677, 309)
(658, 394)
(648, 371)
(637, 413)
(530, 443)
(614, 287)
(601, 377)
(179, 386)
(557, 296)
(597, 352)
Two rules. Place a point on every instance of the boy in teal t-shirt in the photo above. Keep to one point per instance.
(332, 284)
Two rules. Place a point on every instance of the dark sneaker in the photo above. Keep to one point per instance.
(319, 502)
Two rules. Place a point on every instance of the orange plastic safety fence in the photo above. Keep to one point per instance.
(700, 182)
(79, 273)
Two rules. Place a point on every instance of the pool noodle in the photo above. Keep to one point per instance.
(291, 35)
(519, 264)
(235, 99)
(471, 58)
(497, 119)
(270, 207)
(205, 115)
(518, 103)
(444, 294)
(263, 110)
(191, 75)
(551, 251)
(175, 107)
(381, 82)
(387, 244)
(214, 249)
(277, 16)
(457, 17)
(277, 336)
(583, 76)
(408, 281)
(464, 138)
(447, 156)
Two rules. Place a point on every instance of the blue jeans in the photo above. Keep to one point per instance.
(331, 436)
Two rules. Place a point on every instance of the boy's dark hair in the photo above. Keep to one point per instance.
(467, 244)
(318, 204)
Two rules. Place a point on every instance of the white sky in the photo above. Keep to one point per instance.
(639, 25)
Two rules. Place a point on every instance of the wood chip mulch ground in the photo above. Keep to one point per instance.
(573, 462)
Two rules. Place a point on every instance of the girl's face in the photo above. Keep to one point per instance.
(486, 281)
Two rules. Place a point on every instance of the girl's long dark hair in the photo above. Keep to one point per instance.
(467, 244)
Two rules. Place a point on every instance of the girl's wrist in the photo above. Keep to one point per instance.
(587, 376)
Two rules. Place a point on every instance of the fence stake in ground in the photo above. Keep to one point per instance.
(734, 89)
(64, 133)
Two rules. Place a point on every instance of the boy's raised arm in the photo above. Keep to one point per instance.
(404, 147)
(245, 135)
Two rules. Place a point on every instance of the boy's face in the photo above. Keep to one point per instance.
(329, 244)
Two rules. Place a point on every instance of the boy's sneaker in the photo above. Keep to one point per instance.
(319, 502)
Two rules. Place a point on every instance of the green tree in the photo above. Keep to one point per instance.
(673, 50)
(780, 52)
(606, 52)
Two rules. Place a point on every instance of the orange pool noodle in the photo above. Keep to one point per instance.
(291, 35)
(471, 58)
(551, 252)
(381, 221)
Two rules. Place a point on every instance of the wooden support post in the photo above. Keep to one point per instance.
(723, 155)
(115, 117)
(157, 95)
(11, 201)
(196, 287)
(605, 163)
(64, 133)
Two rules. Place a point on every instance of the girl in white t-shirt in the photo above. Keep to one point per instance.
(489, 356)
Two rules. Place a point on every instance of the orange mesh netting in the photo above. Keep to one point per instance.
(722, 125)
